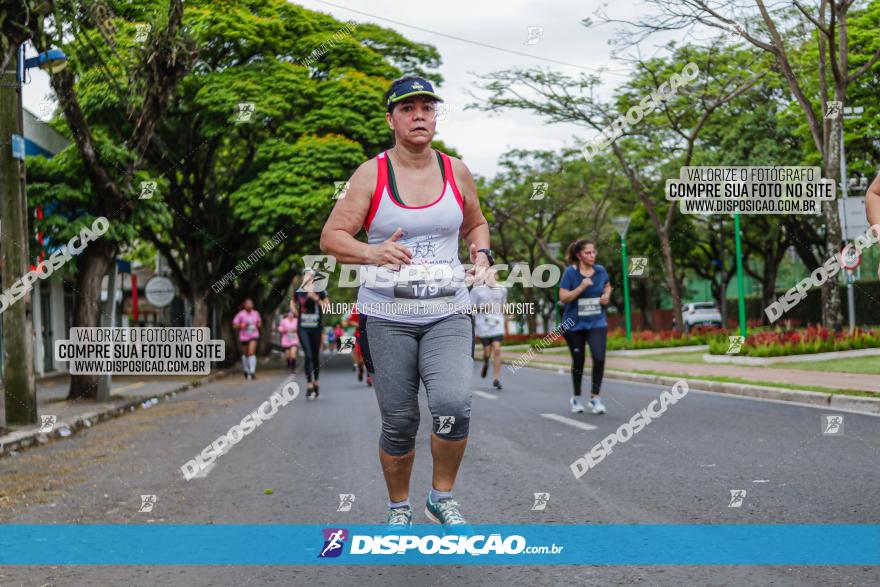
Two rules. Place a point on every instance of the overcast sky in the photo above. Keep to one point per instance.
(481, 139)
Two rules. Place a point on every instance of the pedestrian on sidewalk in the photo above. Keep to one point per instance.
(289, 338)
(585, 290)
(248, 322)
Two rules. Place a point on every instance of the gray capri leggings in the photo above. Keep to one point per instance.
(399, 355)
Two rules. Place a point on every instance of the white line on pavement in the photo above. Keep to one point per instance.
(485, 394)
(569, 421)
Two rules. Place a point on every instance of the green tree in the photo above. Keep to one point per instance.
(658, 145)
(315, 86)
(113, 92)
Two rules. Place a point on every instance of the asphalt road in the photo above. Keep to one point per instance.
(678, 470)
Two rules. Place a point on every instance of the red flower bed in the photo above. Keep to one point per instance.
(813, 339)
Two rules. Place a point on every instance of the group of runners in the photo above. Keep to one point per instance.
(416, 205)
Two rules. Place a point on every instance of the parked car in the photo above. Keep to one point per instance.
(699, 313)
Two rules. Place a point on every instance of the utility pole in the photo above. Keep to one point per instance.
(20, 394)
(105, 382)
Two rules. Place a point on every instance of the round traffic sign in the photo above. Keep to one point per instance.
(850, 258)
(159, 291)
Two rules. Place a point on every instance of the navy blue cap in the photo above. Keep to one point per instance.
(414, 86)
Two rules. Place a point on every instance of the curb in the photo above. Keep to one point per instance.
(868, 405)
(829, 356)
(22, 439)
(658, 351)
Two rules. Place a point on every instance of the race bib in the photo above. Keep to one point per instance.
(309, 320)
(422, 289)
(589, 307)
(493, 320)
(418, 286)
(251, 328)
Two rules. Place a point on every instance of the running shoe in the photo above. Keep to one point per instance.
(369, 380)
(309, 393)
(445, 511)
(360, 373)
(497, 384)
(317, 391)
(576, 406)
(598, 406)
(485, 369)
(399, 517)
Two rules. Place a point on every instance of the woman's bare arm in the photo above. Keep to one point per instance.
(872, 205)
(347, 218)
(872, 202)
(474, 227)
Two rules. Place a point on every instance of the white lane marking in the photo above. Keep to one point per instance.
(485, 394)
(569, 421)
(761, 481)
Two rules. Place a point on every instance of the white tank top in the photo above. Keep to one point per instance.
(433, 286)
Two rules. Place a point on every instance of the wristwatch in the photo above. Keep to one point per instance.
(488, 255)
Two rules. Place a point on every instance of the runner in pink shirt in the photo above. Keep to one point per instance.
(248, 322)
(289, 338)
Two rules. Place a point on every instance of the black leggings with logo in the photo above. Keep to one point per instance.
(577, 340)
(311, 345)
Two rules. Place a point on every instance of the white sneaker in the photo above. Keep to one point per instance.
(598, 406)
(576, 406)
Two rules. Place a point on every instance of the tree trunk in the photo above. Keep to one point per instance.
(768, 284)
(92, 264)
(233, 352)
(832, 307)
(199, 302)
(671, 281)
(642, 296)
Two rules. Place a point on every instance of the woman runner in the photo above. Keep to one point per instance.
(289, 338)
(248, 322)
(414, 202)
(585, 291)
(312, 306)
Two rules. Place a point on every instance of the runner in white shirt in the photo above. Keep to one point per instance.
(488, 301)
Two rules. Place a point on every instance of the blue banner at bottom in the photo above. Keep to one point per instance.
(230, 544)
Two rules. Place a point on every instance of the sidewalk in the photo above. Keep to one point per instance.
(128, 392)
(831, 380)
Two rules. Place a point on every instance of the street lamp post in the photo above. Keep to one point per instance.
(622, 224)
(740, 280)
(20, 393)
